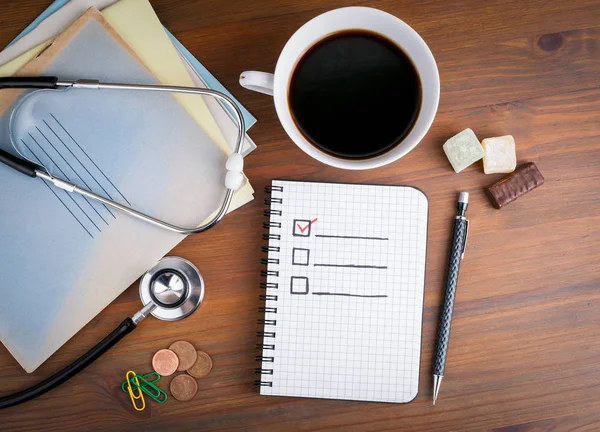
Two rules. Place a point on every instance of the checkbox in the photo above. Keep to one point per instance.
(299, 285)
(302, 228)
(300, 256)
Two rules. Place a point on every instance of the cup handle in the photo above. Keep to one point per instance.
(261, 82)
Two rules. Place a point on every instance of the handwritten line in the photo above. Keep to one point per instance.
(351, 266)
(84, 167)
(50, 188)
(68, 194)
(350, 295)
(351, 237)
(72, 169)
(91, 160)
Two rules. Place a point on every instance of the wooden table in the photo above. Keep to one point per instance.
(525, 346)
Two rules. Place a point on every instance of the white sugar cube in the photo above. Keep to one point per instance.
(463, 149)
(500, 155)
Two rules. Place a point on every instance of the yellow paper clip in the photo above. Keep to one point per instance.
(131, 375)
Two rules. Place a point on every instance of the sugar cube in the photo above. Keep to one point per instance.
(500, 155)
(463, 149)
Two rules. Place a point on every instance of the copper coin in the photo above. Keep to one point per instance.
(202, 366)
(183, 387)
(186, 353)
(165, 362)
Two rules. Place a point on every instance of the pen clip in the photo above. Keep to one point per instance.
(464, 246)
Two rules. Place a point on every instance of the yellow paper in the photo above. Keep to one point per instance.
(10, 68)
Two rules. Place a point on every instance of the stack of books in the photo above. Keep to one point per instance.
(166, 159)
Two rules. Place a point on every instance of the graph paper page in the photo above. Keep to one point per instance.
(344, 296)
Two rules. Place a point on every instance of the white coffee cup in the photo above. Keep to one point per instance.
(349, 18)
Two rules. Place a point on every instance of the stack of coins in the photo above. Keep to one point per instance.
(182, 356)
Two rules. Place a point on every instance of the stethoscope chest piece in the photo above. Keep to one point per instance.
(175, 286)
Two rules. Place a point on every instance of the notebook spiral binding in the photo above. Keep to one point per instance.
(268, 298)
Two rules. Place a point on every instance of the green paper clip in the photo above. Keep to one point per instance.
(146, 377)
(157, 395)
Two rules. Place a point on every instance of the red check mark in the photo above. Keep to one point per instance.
(307, 225)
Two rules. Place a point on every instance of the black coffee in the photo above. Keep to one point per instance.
(355, 94)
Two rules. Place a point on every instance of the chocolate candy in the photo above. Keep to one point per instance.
(525, 178)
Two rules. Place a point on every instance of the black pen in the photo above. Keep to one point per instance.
(457, 253)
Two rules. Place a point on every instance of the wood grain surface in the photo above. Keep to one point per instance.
(525, 347)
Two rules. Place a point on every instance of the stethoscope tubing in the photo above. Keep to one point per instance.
(122, 330)
(126, 327)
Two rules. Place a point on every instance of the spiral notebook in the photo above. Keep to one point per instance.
(343, 291)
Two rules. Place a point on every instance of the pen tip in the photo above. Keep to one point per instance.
(437, 382)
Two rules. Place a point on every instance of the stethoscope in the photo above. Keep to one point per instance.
(170, 291)
(234, 165)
